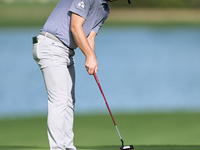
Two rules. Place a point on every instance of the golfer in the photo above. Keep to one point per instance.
(72, 24)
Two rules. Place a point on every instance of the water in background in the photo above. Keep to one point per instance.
(140, 70)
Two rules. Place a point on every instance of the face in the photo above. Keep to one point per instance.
(112, 0)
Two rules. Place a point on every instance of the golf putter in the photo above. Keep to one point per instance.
(122, 147)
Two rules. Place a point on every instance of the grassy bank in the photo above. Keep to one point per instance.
(21, 14)
(145, 131)
(24, 14)
(155, 16)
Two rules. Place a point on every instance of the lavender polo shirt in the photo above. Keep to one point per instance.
(95, 13)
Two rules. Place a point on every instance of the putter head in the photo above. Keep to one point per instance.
(129, 1)
(127, 147)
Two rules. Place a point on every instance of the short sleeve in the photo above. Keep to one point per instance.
(80, 7)
(97, 28)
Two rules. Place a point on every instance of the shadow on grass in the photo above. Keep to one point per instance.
(20, 147)
(110, 147)
(144, 147)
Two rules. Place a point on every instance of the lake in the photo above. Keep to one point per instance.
(141, 69)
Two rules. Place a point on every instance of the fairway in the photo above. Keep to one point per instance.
(144, 131)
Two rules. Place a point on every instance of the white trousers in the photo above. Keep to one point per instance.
(57, 67)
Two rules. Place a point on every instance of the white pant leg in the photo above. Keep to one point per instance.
(69, 117)
(59, 76)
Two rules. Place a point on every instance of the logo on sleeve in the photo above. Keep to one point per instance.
(81, 4)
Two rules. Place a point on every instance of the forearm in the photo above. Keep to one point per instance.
(82, 42)
(85, 44)
(91, 41)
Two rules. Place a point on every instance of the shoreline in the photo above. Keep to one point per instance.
(155, 16)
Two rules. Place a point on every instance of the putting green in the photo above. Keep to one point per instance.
(148, 147)
(144, 131)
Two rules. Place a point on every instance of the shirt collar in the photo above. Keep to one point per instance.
(104, 1)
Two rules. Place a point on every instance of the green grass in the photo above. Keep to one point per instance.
(144, 131)
(23, 13)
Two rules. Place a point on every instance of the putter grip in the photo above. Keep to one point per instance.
(95, 76)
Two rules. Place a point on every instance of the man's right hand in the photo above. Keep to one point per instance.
(91, 64)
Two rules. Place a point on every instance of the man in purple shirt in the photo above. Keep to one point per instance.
(72, 24)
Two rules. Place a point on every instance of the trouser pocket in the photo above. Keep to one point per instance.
(35, 48)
